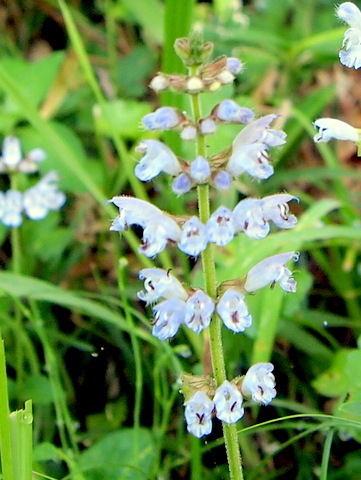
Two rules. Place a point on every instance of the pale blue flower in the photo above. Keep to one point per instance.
(228, 403)
(234, 65)
(200, 170)
(350, 53)
(11, 206)
(332, 128)
(159, 283)
(233, 311)
(43, 197)
(193, 238)
(164, 118)
(230, 112)
(259, 383)
(158, 228)
(198, 311)
(251, 215)
(158, 158)
(249, 149)
(198, 414)
(168, 317)
(222, 180)
(248, 217)
(270, 271)
(275, 208)
(181, 184)
(220, 228)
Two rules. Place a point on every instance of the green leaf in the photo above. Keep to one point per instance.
(133, 71)
(125, 117)
(149, 14)
(38, 388)
(126, 454)
(45, 451)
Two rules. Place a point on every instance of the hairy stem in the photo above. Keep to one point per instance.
(215, 333)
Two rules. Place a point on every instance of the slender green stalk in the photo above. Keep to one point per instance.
(215, 333)
(326, 454)
(16, 258)
(137, 360)
(5, 430)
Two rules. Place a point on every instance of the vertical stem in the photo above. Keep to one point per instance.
(5, 430)
(215, 333)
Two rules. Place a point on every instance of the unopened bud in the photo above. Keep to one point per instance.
(189, 133)
(159, 83)
(195, 85)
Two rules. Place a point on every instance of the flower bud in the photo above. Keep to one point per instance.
(200, 170)
(159, 83)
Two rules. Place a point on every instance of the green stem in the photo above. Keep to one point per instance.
(137, 359)
(16, 258)
(5, 429)
(326, 454)
(215, 329)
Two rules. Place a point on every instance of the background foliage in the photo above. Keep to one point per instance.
(73, 80)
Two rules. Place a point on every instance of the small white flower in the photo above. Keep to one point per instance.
(259, 383)
(198, 414)
(228, 403)
(248, 217)
(275, 208)
(11, 153)
(233, 311)
(12, 158)
(198, 311)
(168, 317)
(11, 205)
(158, 158)
(193, 238)
(220, 228)
(332, 128)
(158, 228)
(159, 283)
(270, 271)
(249, 149)
(350, 54)
(43, 197)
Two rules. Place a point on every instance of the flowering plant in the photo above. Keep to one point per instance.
(174, 304)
